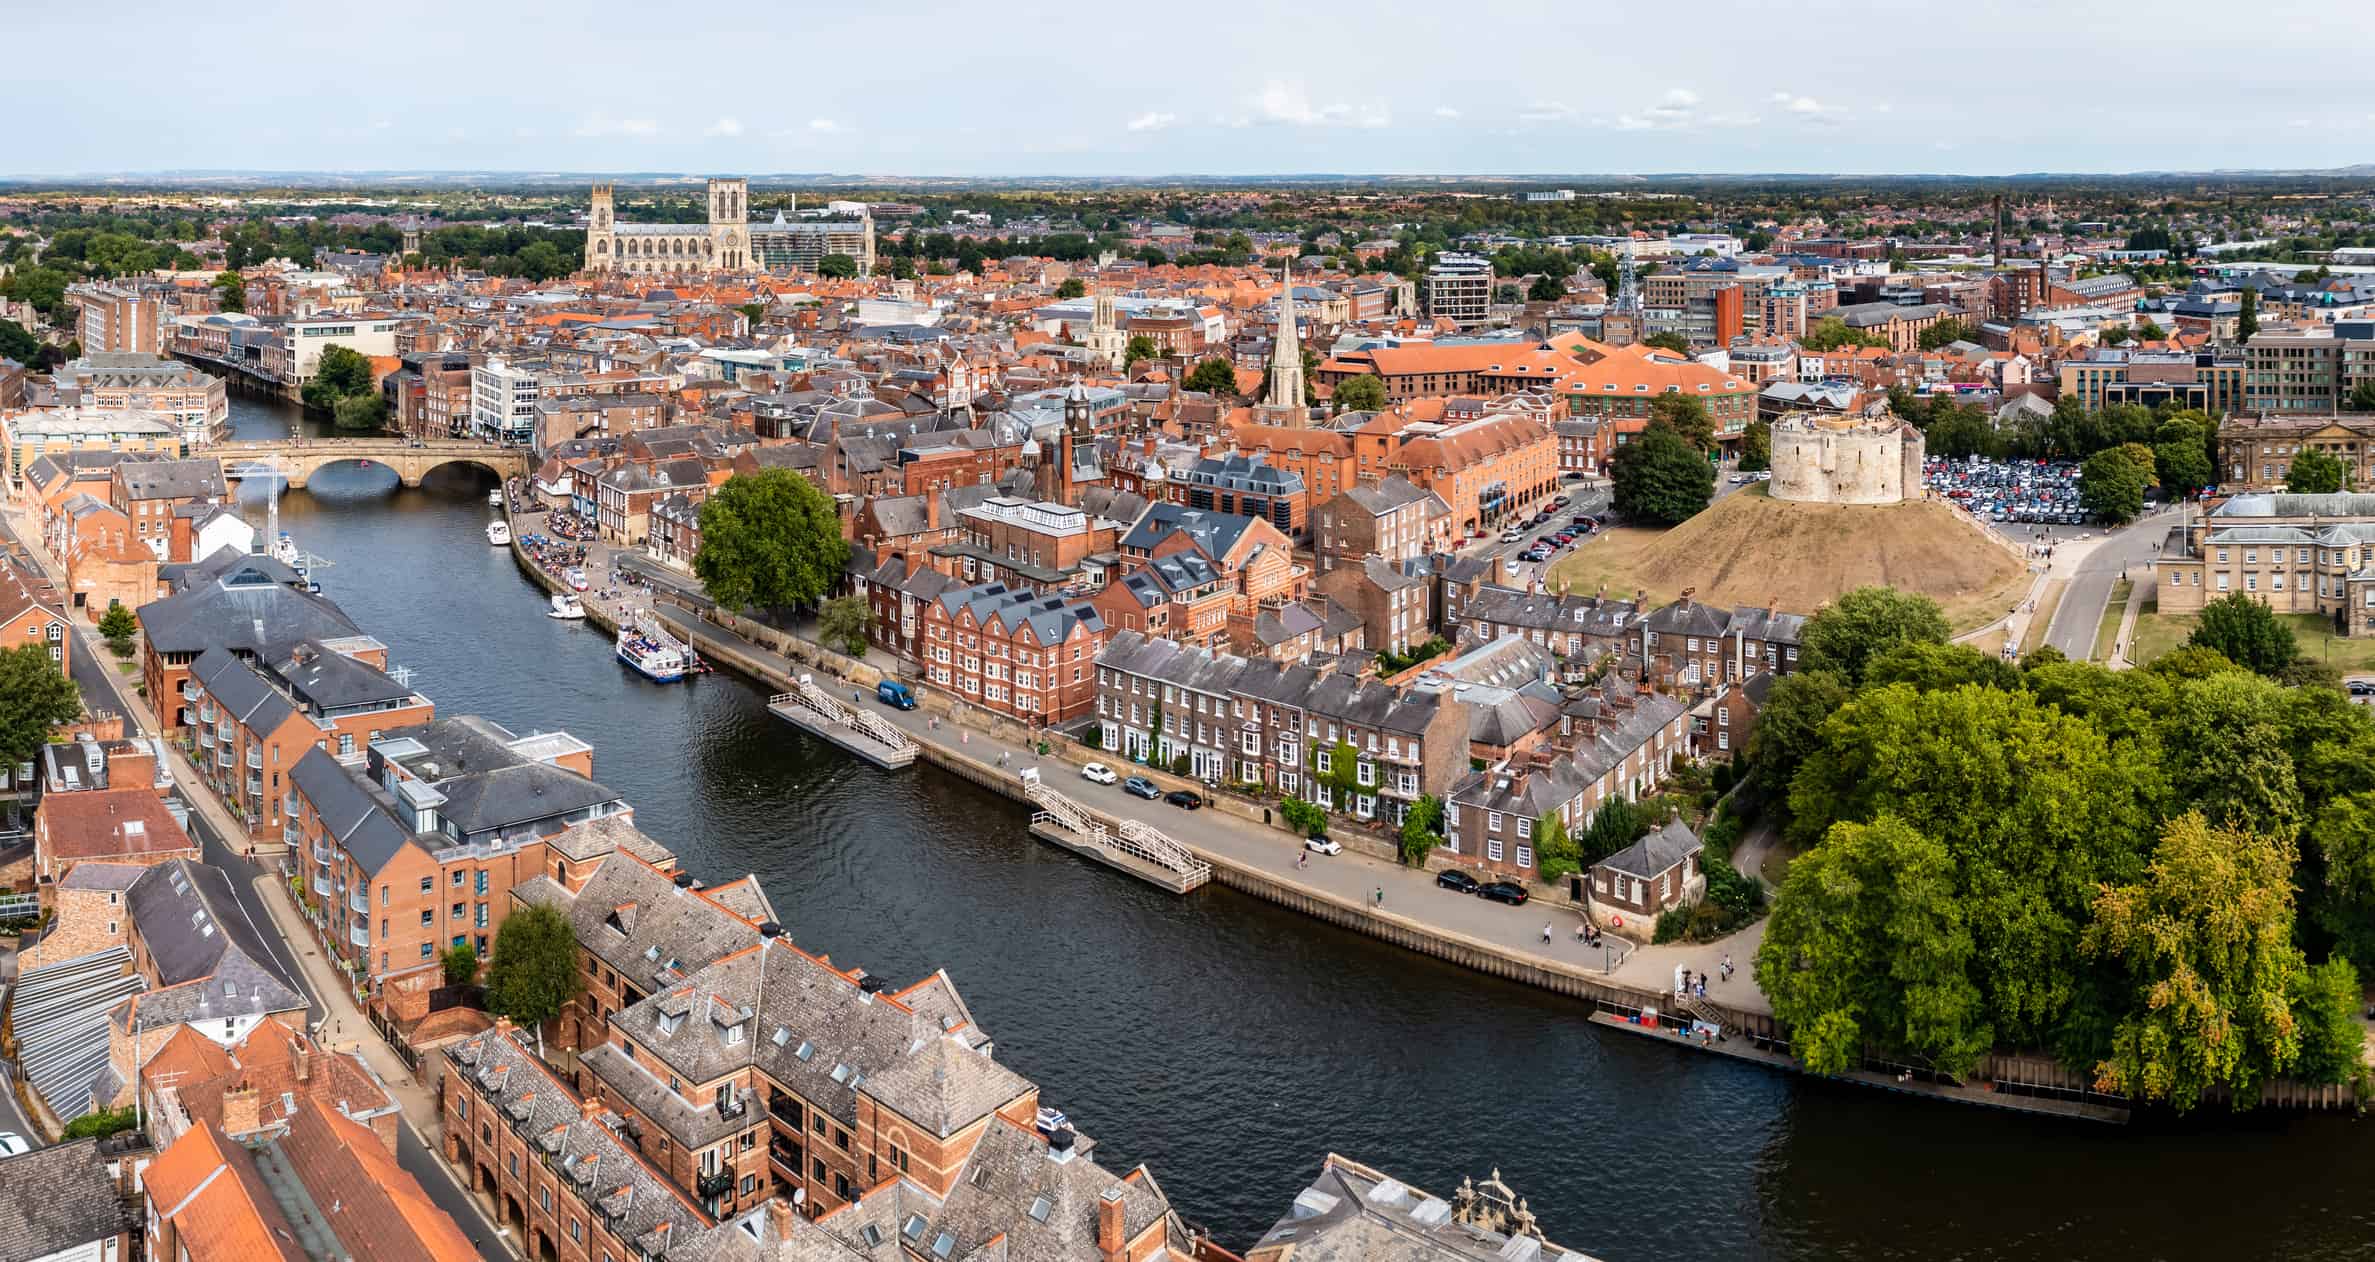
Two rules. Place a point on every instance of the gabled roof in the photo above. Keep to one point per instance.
(54, 1199)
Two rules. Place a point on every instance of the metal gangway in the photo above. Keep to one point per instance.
(833, 712)
(1141, 841)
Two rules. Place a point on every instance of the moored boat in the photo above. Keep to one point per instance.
(645, 645)
(499, 534)
(565, 605)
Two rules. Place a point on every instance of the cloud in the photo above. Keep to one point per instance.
(1151, 121)
(823, 125)
(602, 125)
(1630, 122)
(1804, 106)
(727, 126)
(1547, 112)
(1445, 111)
(1285, 102)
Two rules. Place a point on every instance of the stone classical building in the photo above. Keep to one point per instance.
(2292, 553)
(727, 242)
(1872, 458)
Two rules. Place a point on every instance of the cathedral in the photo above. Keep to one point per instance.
(728, 242)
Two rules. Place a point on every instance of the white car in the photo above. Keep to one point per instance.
(1512, 536)
(1098, 772)
(1323, 845)
(13, 1144)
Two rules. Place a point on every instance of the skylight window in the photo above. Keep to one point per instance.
(1041, 1207)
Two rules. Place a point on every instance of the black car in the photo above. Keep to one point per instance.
(1184, 799)
(1509, 892)
(2361, 688)
(1455, 880)
(1141, 787)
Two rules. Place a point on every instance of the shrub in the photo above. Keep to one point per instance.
(1179, 765)
(1093, 738)
(101, 1123)
(1301, 816)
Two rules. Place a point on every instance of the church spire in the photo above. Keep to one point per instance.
(1286, 351)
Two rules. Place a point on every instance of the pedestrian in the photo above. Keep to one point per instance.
(1381, 896)
(1546, 933)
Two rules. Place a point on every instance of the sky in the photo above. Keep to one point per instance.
(1024, 88)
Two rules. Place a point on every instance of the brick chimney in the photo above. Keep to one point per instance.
(931, 510)
(779, 1217)
(303, 1060)
(1109, 1224)
(243, 1111)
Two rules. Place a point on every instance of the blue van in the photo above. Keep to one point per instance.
(894, 694)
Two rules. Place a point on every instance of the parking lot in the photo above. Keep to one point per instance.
(2009, 492)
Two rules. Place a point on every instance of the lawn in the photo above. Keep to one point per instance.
(2157, 633)
(2042, 619)
(2114, 609)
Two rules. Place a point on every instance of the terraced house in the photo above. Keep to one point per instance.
(254, 722)
(1235, 720)
(1616, 740)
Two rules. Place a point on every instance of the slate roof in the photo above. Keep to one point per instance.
(53, 1199)
(206, 954)
(1661, 851)
(1351, 1213)
(173, 479)
(1215, 533)
(327, 680)
(246, 607)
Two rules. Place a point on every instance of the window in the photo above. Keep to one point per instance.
(1492, 849)
(1525, 826)
(1492, 821)
(428, 883)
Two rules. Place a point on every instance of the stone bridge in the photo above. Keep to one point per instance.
(299, 458)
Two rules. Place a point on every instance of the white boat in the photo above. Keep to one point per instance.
(499, 534)
(284, 550)
(565, 605)
(495, 497)
(645, 645)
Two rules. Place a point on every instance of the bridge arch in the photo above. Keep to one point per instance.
(298, 460)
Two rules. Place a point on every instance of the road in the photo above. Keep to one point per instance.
(2080, 614)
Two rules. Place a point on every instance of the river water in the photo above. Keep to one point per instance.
(1230, 1044)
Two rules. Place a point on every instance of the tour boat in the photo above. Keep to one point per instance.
(284, 550)
(657, 655)
(495, 497)
(499, 534)
(565, 605)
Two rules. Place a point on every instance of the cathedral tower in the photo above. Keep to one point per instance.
(729, 220)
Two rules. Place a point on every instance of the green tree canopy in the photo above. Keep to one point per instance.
(2181, 457)
(1756, 447)
(1870, 942)
(2245, 632)
(2204, 942)
(231, 291)
(1789, 727)
(2362, 397)
(1555, 852)
(1546, 288)
(1140, 347)
(769, 539)
(1847, 633)
(842, 623)
(35, 696)
(17, 344)
(1668, 341)
(459, 963)
(1072, 288)
(1422, 830)
(1687, 416)
(1832, 334)
(2111, 486)
(2315, 473)
(843, 267)
(1215, 376)
(360, 413)
(1660, 477)
(1359, 394)
(341, 372)
(535, 970)
(1944, 332)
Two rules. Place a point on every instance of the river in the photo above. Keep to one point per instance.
(1231, 1044)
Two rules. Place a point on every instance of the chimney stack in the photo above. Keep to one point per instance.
(243, 1112)
(779, 1217)
(1109, 1224)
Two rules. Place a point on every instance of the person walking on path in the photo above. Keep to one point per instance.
(1546, 933)
(1381, 896)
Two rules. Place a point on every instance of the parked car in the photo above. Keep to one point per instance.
(1323, 845)
(1099, 773)
(1509, 892)
(13, 1144)
(2362, 688)
(1184, 799)
(899, 696)
(1457, 881)
(1141, 787)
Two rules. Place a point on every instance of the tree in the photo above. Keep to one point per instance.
(2110, 486)
(2245, 632)
(1305, 818)
(1686, 415)
(2247, 317)
(2149, 331)
(1660, 477)
(43, 287)
(1072, 288)
(1359, 394)
(1215, 376)
(340, 373)
(843, 621)
(1616, 825)
(2315, 473)
(1870, 943)
(535, 970)
(2180, 460)
(118, 625)
(1422, 830)
(542, 260)
(1944, 332)
(769, 539)
(17, 344)
(753, 312)
(2362, 397)
(1546, 288)
(843, 267)
(2325, 1002)
(1789, 727)
(1669, 341)
(360, 413)
(1849, 632)
(1756, 447)
(460, 963)
(1833, 334)
(2203, 944)
(1555, 852)
(35, 696)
